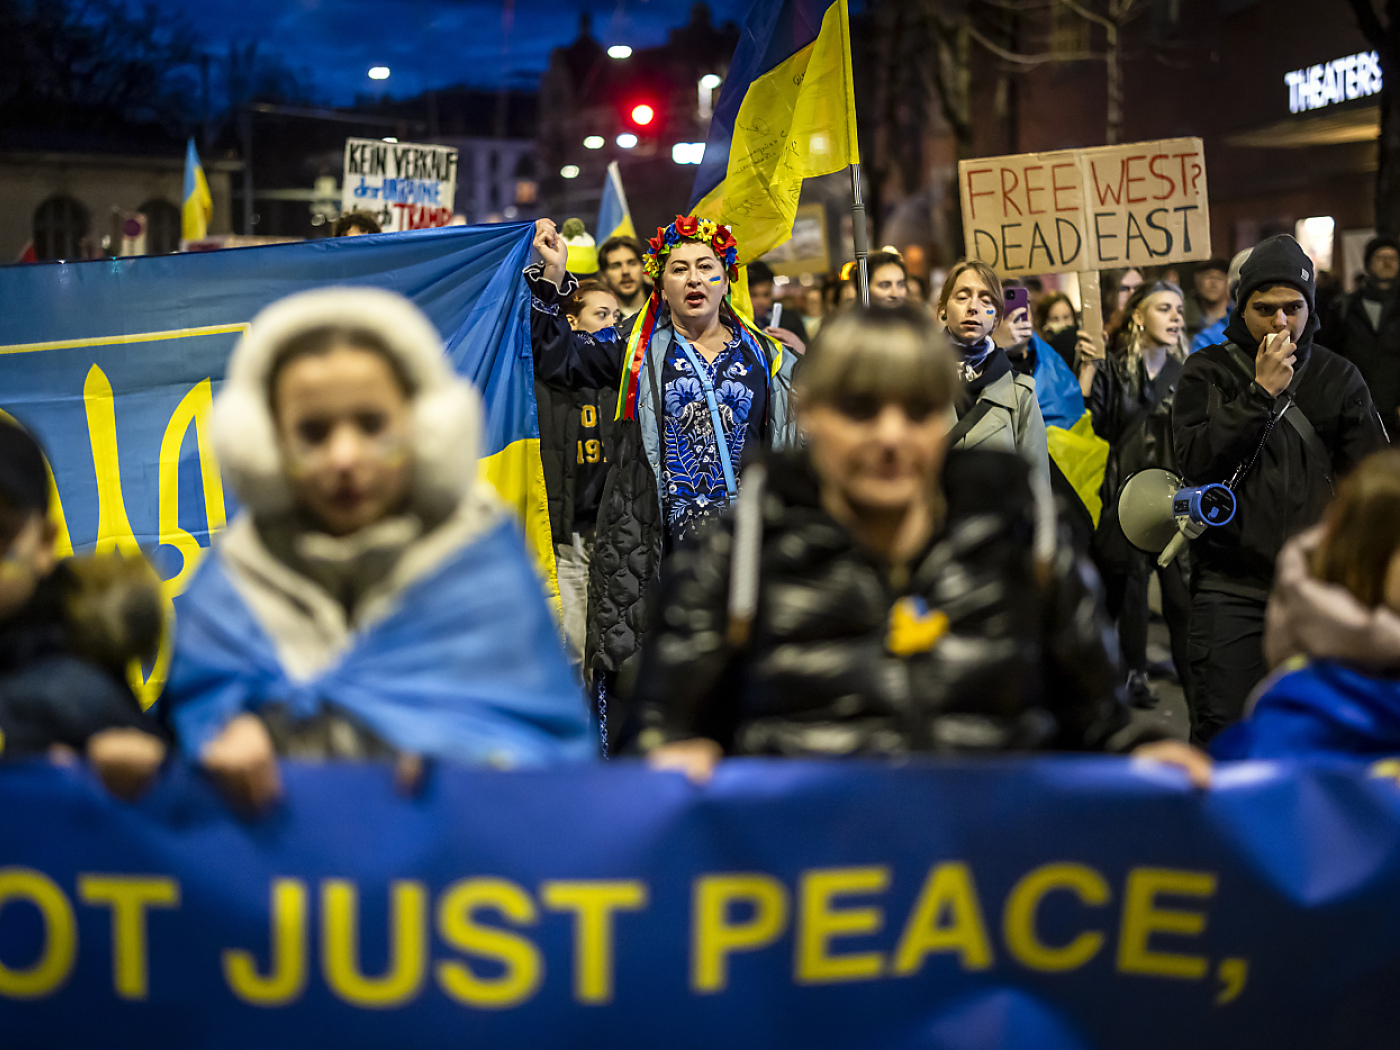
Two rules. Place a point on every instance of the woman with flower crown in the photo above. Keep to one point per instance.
(698, 386)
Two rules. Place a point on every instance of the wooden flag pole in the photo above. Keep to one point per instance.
(858, 236)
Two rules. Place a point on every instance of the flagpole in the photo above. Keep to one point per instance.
(858, 237)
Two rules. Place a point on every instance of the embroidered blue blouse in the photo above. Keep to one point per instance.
(694, 476)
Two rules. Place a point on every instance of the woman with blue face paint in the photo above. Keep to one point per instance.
(998, 408)
(698, 389)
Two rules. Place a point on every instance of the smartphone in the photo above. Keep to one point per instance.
(777, 316)
(1017, 299)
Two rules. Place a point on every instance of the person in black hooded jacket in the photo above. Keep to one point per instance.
(1364, 327)
(1284, 417)
(877, 593)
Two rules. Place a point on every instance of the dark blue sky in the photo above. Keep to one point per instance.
(428, 43)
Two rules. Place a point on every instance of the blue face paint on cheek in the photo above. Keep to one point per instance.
(716, 280)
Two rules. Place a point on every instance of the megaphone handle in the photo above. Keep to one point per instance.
(1171, 550)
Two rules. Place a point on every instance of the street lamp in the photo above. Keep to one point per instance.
(619, 51)
(688, 152)
(708, 83)
(379, 72)
(569, 171)
(627, 140)
(593, 142)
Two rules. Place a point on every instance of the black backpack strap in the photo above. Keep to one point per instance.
(1292, 415)
(967, 422)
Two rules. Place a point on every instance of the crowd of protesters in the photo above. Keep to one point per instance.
(783, 525)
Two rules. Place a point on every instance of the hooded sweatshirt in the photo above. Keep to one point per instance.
(1220, 415)
(1345, 698)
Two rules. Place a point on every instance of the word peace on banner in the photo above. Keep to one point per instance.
(1042, 903)
(1141, 204)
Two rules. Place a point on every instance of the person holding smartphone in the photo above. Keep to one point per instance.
(997, 408)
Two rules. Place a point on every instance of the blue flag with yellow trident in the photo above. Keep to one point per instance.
(786, 113)
(114, 364)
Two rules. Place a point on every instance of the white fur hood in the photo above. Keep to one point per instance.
(446, 408)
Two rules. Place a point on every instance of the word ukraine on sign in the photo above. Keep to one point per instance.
(1092, 209)
(1045, 904)
(114, 365)
(405, 186)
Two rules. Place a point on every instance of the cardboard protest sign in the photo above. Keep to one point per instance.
(1140, 204)
(405, 186)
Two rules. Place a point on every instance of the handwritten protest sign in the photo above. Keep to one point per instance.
(1139, 204)
(405, 186)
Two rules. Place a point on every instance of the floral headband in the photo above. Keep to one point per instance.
(700, 231)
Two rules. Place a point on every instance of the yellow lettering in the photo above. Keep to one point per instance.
(340, 944)
(588, 417)
(593, 904)
(523, 967)
(1019, 918)
(592, 450)
(716, 937)
(818, 922)
(1142, 918)
(194, 410)
(129, 897)
(948, 889)
(55, 962)
(287, 979)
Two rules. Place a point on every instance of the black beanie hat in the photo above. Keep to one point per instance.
(1376, 243)
(24, 483)
(1278, 260)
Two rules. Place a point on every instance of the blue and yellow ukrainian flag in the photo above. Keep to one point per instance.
(198, 208)
(786, 113)
(614, 217)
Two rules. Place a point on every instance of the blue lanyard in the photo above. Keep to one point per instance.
(706, 384)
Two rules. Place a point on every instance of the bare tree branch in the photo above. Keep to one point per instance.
(1035, 60)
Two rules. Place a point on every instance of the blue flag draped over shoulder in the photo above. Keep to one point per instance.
(114, 363)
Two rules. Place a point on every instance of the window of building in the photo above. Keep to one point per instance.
(60, 224)
(162, 227)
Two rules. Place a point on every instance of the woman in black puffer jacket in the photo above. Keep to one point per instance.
(877, 600)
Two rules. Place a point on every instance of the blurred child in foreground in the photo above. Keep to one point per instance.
(68, 629)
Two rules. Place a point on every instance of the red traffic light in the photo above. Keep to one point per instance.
(642, 115)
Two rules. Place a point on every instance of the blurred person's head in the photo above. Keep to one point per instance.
(1276, 291)
(1055, 313)
(26, 532)
(917, 289)
(888, 279)
(1127, 284)
(355, 224)
(847, 293)
(873, 398)
(592, 307)
(341, 408)
(1232, 279)
(1212, 280)
(971, 303)
(1382, 256)
(761, 290)
(1035, 287)
(1156, 320)
(620, 266)
(813, 301)
(1360, 549)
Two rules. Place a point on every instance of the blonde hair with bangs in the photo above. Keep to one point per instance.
(887, 354)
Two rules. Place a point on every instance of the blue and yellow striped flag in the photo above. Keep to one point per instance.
(786, 113)
(614, 218)
(199, 205)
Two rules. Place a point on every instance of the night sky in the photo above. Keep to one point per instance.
(428, 43)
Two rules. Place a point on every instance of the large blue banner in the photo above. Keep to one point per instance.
(1050, 904)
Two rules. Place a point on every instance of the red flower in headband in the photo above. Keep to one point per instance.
(724, 240)
(659, 241)
(687, 225)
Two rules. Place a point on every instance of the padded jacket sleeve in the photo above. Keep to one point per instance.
(563, 356)
(1216, 422)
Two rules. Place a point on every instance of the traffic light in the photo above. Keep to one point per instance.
(642, 115)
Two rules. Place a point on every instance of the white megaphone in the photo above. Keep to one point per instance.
(1159, 512)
